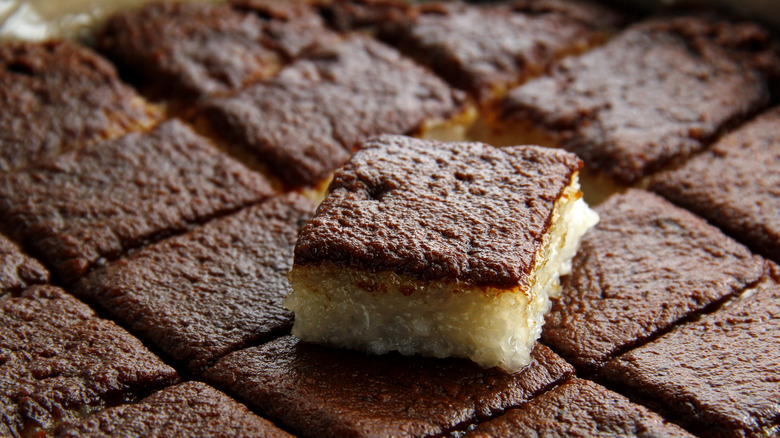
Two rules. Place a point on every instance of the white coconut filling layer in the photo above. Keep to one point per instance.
(386, 311)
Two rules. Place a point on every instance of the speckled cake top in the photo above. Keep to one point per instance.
(457, 211)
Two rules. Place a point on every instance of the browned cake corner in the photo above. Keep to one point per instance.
(657, 92)
(645, 267)
(210, 291)
(58, 96)
(320, 391)
(439, 249)
(17, 269)
(578, 408)
(485, 49)
(735, 184)
(717, 375)
(84, 207)
(305, 122)
(61, 362)
(190, 409)
(364, 15)
(186, 51)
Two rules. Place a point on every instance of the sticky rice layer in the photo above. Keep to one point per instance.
(385, 311)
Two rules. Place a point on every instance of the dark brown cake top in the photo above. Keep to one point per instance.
(210, 291)
(578, 408)
(57, 96)
(189, 409)
(646, 266)
(465, 212)
(18, 270)
(718, 375)
(305, 122)
(329, 392)
(190, 50)
(735, 184)
(83, 207)
(659, 91)
(59, 361)
(486, 48)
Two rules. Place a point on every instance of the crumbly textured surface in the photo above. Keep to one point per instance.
(58, 96)
(465, 212)
(190, 50)
(78, 209)
(659, 91)
(735, 184)
(320, 391)
(646, 266)
(305, 122)
(17, 269)
(579, 408)
(364, 15)
(484, 49)
(190, 409)
(210, 291)
(59, 361)
(717, 375)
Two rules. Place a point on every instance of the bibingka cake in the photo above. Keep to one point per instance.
(441, 249)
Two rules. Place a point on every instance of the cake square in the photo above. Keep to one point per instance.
(313, 390)
(647, 266)
(717, 375)
(735, 184)
(17, 269)
(578, 408)
(217, 288)
(58, 96)
(485, 49)
(59, 361)
(440, 249)
(84, 207)
(305, 122)
(657, 92)
(186, 50)
(187, 409)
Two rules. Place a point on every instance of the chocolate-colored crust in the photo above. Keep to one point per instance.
(646, 266)
(480, 48)
(718, 375)
(190, 50)
(87, 206)
(18, 270)
(59, 361)
(326, 392)
(735, 185)
(465, 212)
(203, 294)
(57, 96)
(305, 122)
(365, 15)
(578, 408)
(190, 409)
(659, 91)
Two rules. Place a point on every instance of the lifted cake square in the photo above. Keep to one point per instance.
(442, 249)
